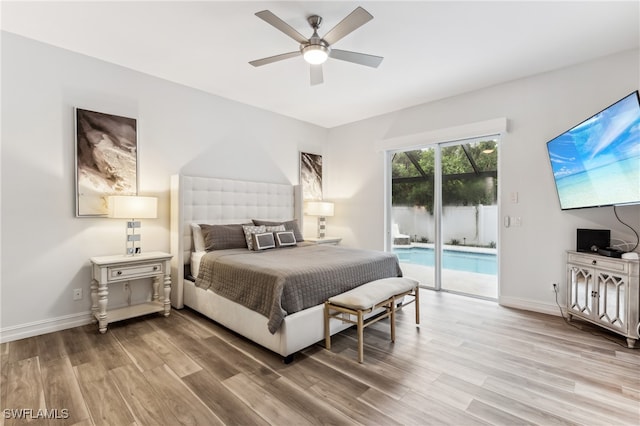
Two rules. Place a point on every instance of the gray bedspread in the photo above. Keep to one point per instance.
(282, 281)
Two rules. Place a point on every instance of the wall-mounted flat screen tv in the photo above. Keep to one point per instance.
(597, 162)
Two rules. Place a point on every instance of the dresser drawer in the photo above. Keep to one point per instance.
(600, 262)
(119, 273)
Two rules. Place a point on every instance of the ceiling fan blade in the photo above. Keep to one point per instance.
(351, 22)
(272, 19)
(316, 75)
(276, 58)
(356, 58)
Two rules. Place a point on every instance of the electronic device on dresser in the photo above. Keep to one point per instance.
(596, 241)
(592, 240)
(610, 252)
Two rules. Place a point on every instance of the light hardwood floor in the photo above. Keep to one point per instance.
(470, 362)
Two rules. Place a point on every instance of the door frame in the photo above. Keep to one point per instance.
(438, 207)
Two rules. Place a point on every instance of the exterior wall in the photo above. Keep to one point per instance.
(470, 225)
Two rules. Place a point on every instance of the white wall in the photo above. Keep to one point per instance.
(45, 248)
(537, 108)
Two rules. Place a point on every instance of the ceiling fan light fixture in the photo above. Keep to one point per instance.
(316, 50)
(315, 54)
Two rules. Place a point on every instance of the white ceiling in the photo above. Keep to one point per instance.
(431, 50)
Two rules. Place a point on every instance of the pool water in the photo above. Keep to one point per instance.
(481, 263)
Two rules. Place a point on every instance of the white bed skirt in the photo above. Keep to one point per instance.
(297, 332)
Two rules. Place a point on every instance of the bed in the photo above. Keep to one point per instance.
(209, 282)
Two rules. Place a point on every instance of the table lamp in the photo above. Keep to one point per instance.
(132, 207)
(322, 209)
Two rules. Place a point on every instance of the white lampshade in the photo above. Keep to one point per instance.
(315, 54)
(133, 207)
(319, 208)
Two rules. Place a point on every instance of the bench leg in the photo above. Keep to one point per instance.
(327, 333)
(417, 303)
(360, 337)
(392, 319)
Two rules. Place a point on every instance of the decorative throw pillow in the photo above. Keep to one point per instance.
(222, 237)
(262, 241)
(274, 228)
(252, 229)
(289, 225)
(284, 238)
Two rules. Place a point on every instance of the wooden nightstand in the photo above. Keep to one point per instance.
(107, 270)
(326, 240)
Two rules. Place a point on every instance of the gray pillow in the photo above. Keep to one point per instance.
(222, 237)
(262, 241)
(289, 225)
(284, 238)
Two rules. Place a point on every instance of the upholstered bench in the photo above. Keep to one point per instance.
(384, 293)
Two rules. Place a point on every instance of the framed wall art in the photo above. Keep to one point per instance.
(106, 160)
(311, 176)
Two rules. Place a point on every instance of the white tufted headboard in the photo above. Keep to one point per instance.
(221, 201)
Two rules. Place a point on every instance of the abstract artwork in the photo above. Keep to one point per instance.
(106, 160)
(311, 176)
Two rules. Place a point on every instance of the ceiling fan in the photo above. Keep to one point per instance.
(317, 50)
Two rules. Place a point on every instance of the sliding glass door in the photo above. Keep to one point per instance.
(413, 228)
(470, 217)
(444, 215)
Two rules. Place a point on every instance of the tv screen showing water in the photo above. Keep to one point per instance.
(597, 162)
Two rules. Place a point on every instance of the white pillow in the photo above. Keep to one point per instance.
(198, 239)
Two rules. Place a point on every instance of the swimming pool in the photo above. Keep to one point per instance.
(481, 263)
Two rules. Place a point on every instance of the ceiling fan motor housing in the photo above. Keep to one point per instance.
(314, 21)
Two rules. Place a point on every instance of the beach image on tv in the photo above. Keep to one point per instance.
(597, 162)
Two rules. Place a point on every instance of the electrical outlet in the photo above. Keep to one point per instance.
(77, 293)
(554, 287)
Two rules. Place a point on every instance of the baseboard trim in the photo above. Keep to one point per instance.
(16, 332)
(529, 305)
(8, 334)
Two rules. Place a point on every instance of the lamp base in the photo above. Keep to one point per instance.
(133, 251)
(322, 226)
(132, 238)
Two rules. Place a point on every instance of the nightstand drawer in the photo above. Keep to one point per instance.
(130, 272)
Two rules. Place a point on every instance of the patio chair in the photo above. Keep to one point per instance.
(398, 238)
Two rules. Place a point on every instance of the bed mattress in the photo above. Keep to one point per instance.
(280, 282)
